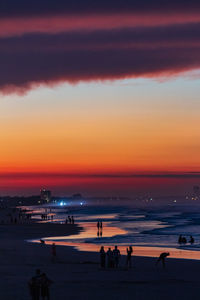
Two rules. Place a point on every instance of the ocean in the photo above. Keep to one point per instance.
(149, 228)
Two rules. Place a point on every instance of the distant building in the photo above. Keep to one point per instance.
(196, 192)
(45, 196)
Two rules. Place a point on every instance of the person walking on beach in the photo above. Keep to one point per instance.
(102, 257)
(45, 283)
(72, 219)
(162, 257)
(116, 256)
(128, 258)
(53, 252)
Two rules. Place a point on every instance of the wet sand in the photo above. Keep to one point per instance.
(77, 275)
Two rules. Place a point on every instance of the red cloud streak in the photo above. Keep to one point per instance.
(55, 24)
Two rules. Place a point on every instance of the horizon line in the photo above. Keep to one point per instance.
(164, 174)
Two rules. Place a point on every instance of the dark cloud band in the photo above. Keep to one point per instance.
(52, 7)
(23, 70)
(176, 35)
(35, 59)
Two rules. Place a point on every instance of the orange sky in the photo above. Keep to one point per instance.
(102, 128)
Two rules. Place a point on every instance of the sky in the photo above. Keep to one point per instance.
(91, 93)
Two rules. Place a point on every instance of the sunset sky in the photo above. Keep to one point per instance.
(99, 89)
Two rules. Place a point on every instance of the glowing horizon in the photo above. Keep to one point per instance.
(102, 89)
(94, 129)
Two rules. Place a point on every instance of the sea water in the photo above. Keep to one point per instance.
(150, 229)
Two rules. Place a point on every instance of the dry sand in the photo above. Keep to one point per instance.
(76, 275)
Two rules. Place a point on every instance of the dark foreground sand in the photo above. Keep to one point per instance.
(77, 275)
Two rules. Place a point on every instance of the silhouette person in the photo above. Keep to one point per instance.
(32, 288)
(53, 252)
(101, 228)
(45, 283)
(128, 258)
(116, 256)
(184, 240)
(102, 257)
(35, 285)
(110, 258)
(162, 258)
(98, 228)
(180, 239)
(191, 240)
(98, 225)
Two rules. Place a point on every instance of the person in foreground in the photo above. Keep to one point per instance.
(39, 286)
(34, 286)
(45, 283)
(162, 258)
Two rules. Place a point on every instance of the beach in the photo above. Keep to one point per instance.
(77, 275)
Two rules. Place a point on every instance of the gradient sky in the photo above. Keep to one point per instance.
(108, 88)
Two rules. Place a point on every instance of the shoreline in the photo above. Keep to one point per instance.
(32, 231)
(77, 275)
(138, 250)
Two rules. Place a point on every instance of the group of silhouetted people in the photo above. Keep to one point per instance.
(39, 286)
(183, 241)
(110, 258)
(44, 217)
(70, 220)
(18, 216)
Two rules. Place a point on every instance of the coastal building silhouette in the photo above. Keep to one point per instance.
(196, 192)
(45, 196)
